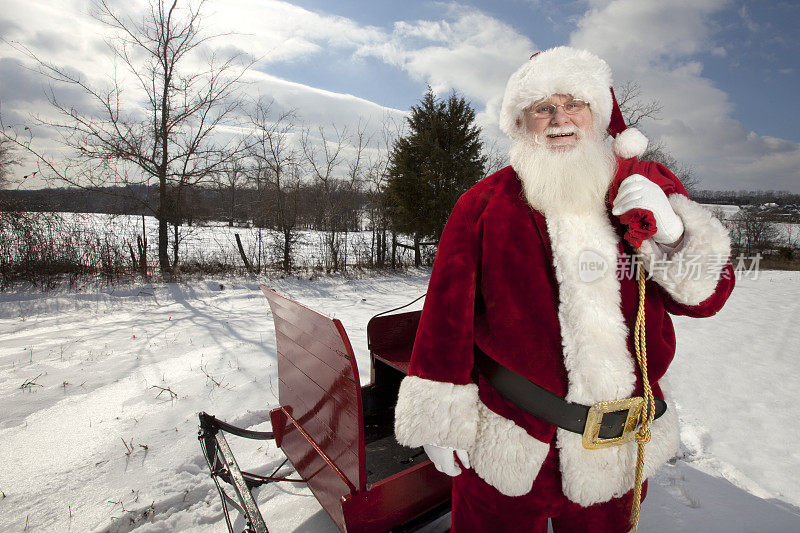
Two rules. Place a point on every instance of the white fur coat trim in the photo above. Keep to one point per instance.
(599, 365)
(691, 273)
(500, 452)
(593, 476)
(436, 412)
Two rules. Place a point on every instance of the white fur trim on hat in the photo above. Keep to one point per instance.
(560, 70)
(630, 143)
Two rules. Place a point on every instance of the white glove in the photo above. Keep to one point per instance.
(443, 459)
(636, 191)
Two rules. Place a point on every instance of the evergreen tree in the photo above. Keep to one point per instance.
(430, 167)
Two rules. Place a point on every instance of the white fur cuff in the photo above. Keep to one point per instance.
(500, 452)
(504, 455)
(436, 412)
(691, 273)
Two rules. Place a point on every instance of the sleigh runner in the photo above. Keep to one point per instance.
(337, 434)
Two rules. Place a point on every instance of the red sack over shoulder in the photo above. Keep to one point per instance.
(641, 226)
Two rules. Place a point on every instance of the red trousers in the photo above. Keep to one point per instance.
(479, 507)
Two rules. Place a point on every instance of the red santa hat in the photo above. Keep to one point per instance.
(566, 70)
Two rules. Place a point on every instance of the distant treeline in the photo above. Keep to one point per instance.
(239, 204)
(234, 205)
(133, 200)
(740, 198)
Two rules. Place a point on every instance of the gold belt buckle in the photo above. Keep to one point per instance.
(591, 434)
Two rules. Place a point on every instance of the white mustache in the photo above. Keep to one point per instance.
(540, 138)
(552, 130)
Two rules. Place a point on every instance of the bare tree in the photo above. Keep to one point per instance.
(173, 138)
(8, 159)
(323, 160)
(277, 173)
(495, 157)
(229, 181)
(350, 201)
(338, 190)
(634, 110)
(375, 178)
(752, 231)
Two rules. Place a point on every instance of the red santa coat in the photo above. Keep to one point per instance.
(510, 282)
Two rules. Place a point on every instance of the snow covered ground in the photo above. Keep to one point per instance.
(788, 234)
(100, 390)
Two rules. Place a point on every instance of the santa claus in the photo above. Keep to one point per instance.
(527, 334)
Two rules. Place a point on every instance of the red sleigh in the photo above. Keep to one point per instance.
(337, 434)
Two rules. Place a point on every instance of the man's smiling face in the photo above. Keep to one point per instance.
(561, 130)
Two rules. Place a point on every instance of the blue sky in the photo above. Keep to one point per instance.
(726, 72)
(760, 69)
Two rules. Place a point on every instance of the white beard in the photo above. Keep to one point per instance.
(575, 180)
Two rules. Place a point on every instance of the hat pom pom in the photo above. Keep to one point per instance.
(630, 143)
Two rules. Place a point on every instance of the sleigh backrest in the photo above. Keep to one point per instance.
(318, 384)
(391, 338)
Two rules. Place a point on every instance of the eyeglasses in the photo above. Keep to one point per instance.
(547, 109)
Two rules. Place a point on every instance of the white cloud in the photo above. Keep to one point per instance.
(719, 51)
(469, 51)
(268, 30)
(747, 19)
(647, 29)
(648, 41)
(318, 106)
(279, 31)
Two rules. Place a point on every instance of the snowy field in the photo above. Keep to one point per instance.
(788, 234)
(209, 242)
(90, 440)
(215, 242)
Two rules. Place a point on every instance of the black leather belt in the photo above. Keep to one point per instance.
(551, 407)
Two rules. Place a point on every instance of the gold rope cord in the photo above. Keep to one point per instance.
(643, 435)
